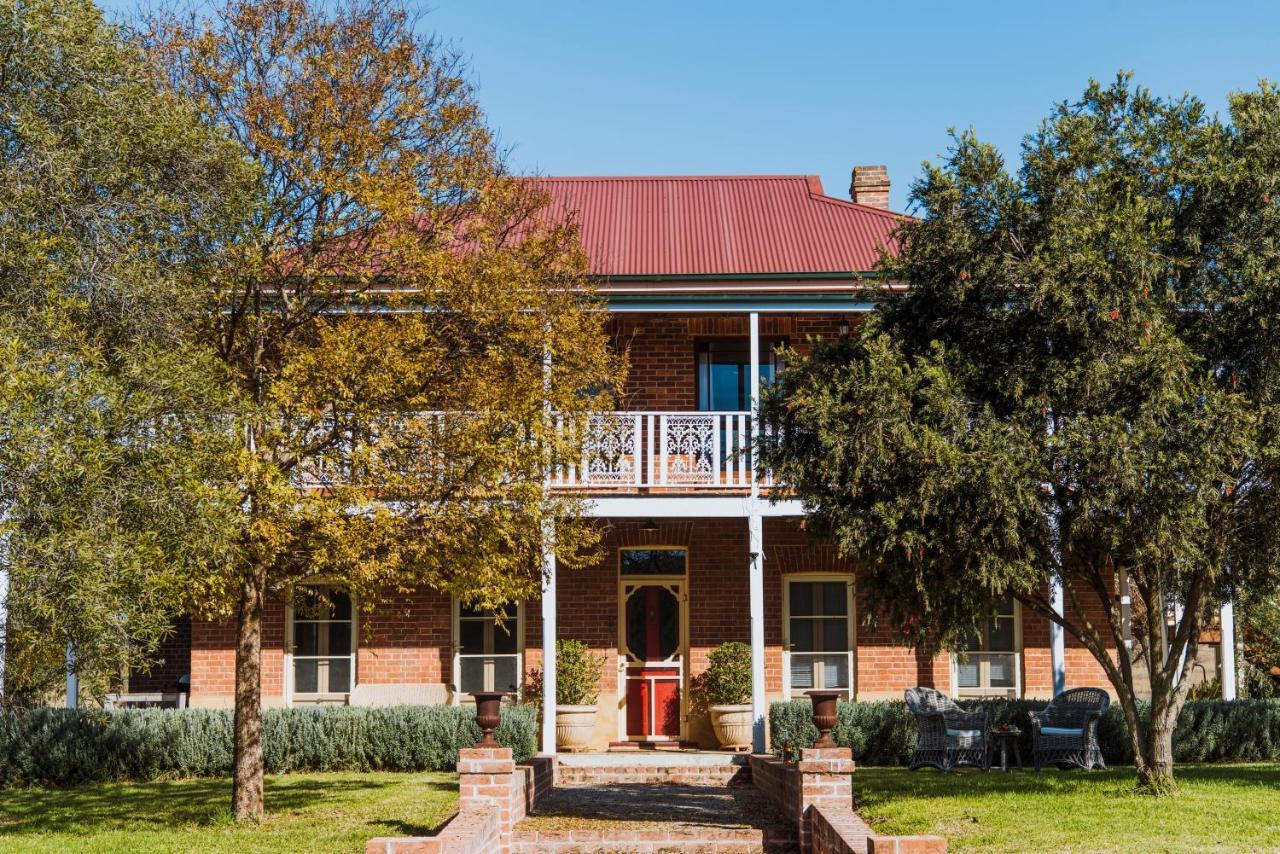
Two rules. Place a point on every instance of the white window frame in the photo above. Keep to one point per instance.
(851, 600)
(455, 683)
(291, 696)
(983, 658)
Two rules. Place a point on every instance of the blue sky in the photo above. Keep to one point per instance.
(701, 87)
(709, 87)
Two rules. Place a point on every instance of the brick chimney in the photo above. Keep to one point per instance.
(870, 186)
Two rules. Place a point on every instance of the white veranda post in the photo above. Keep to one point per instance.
(1227, 645)
(4, 623)
(755, 547)
(1057, 641)
(548, 643)
(548, 599)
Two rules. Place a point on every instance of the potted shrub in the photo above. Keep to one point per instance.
(726, 687)
(577, 689)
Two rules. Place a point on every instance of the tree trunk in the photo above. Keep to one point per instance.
(246, 791)
(1155, 768)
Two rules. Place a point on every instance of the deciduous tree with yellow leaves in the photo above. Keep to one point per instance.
(400, 321)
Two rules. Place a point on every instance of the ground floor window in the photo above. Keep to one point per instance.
(991, 665)
(321, 629)
(488, 647)
(819, 630)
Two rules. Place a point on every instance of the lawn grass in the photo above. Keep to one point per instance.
(1216, 808)
(305, 812)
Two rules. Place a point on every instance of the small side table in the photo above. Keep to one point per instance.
(1005, 739)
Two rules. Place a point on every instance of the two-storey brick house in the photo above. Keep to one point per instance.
(703, 276)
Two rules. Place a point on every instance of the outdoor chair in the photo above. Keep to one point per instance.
(1066, 732)
(949, 736)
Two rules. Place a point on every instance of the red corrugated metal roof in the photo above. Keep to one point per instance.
(719, 225)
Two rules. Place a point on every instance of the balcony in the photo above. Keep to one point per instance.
(663, 450)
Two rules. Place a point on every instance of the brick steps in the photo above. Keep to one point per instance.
(720, 840)
(723, 774)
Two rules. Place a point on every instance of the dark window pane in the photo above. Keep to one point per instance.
(1002, 635)
(668, 624)
(339, 638)
(340, 605)
(471, 636)
(304, 676)
(835, 600)
(801, 598)
(504, 637)
(636, 625)
(653, 561)
(339, 675)
(835, 635)
(472, 676)
(1005, 606)
(306, 639)
(465, 611)
(802, 636)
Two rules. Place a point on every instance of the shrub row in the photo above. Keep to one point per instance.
(61, 747)
(884, 733)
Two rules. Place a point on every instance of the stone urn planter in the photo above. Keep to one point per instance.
(824, 715)
(488, 715)
(733, 726)
(574, 726)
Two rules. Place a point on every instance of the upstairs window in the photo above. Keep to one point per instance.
(724, 372)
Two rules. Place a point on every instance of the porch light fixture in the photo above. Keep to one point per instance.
(844, 327)
(649, 527)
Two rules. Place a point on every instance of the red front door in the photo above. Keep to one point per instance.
(654, 660)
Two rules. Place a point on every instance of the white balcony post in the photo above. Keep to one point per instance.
(653, 460)
(755, 397)
(755, 547)
(637, 448)
(548, 639)
(1227, 646)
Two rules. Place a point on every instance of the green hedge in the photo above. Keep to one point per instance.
(884, 733)
(60, 747)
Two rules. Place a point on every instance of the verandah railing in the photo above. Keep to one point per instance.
(658, 449)
(619, 450)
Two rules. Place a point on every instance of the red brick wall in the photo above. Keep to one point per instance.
(408, 640)
(213, 658)
(173, 661)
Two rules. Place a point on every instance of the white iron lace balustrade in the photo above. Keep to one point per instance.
(620, 450)
(611, 451)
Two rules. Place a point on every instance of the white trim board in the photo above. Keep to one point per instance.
(689, 506)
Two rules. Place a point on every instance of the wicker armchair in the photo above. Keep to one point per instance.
(1066, 732)
(949, 736)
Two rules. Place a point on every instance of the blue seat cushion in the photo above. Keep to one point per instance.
(1059, 730)
(964, 733)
